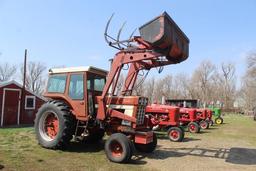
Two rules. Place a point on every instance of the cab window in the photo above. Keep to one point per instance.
(76, 87)
(57, 83)
(99, 83)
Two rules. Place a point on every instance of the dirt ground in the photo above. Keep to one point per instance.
(231, 146)
(228, 147)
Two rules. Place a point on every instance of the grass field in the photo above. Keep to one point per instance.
(19, 151)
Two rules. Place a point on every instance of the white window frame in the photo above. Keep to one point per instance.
(34, 103)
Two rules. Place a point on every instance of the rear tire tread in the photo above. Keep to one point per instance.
(68, 124)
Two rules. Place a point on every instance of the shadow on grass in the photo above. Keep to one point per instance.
(235, 155)
(188, 139)
(242, 156)
(213, 128)
(82, 147)
(165, 137)
(224, 123)
(202, 131)
(1, 167)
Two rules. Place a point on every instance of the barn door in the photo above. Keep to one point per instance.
(11, 107)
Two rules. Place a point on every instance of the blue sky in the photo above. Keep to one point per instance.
(70, 33)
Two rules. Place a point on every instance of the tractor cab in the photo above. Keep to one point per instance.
(78, 87)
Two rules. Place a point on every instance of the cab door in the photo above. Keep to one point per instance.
(95, 85)
(77, 93)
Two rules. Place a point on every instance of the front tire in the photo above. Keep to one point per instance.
(204, 124)
(175, 134)
(54, 125)
(193, 127)
(219, 120)
(147, 148)
(118, 148)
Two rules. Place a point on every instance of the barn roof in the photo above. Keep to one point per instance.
(3, 84)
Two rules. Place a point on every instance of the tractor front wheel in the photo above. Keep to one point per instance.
(54, 125)
(193, 127)
(219, 120)
(118, 148)
(147, 148)
(204, 124)
(175, 134)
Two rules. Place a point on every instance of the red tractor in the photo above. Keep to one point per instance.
(171, 118)
(83, 103)
(166, 118)
(188, 118)
(209, 117)
(203, 115)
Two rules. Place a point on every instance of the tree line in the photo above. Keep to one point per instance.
(35, 75)
(208, 82)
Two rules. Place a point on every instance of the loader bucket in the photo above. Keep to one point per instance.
(166, 38)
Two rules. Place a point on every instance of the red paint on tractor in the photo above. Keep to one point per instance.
(51, 125)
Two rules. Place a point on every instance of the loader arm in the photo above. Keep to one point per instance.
(161, 43)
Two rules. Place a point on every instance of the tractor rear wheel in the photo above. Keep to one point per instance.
(204, 124)
(54, 125)
(219, 120)
(118, 148)
(147, 148)
(175, 134)
(193, 127)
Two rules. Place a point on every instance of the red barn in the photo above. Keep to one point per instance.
(17, 107)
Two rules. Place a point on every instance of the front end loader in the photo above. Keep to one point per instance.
(83, 103)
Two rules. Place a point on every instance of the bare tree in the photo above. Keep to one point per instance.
(138, 89)
(248, 90)
(207, 83)
(183, 86)
(251, 65)
(35, 77)
(159, 90)
(228, 85)
(167, 84)
(202, 76)
(7, 71)
(150, 89)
